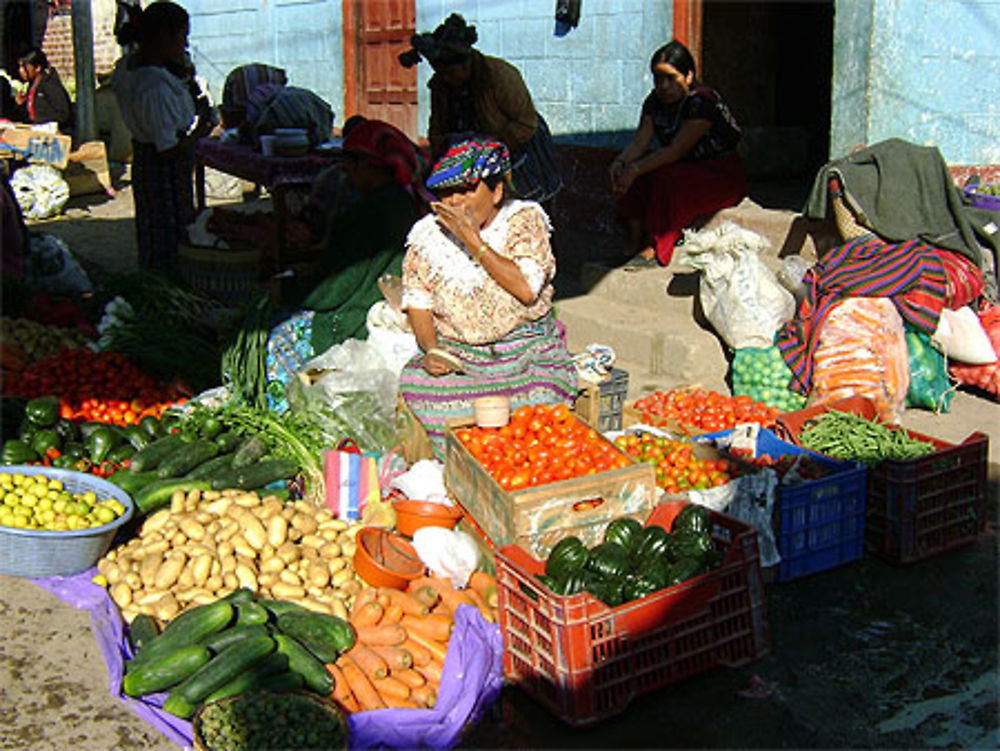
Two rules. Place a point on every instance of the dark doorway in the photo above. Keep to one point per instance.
(773, 63)
(23, 27)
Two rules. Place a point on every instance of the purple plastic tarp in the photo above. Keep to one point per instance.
(474, 660)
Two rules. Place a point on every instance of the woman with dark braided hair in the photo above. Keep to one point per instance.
(475, 93)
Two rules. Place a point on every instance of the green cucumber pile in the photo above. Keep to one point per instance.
(264, 722)
(846, 436)
(633, 561)
(233, 646)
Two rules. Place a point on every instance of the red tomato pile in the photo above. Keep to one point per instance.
(539, 445)
(708, 410)
(677, 468)
(101, 386)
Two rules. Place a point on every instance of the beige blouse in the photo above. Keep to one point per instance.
(467, 303)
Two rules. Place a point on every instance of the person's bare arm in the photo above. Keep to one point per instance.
(422, 323)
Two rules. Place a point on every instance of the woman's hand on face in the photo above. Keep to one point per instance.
(461, 222)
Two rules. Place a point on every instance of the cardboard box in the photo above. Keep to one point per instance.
(536, 518)
(87, 170)
(25, 142)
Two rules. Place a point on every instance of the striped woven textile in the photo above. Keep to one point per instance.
(909, 273)
(965, 281)
(289, 345)
(530, 365)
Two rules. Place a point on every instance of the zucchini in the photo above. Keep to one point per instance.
(159, 675)
(256, 476)
(326, 636)
(131, 482)
(243, 594)
(186, 458)
(228, 441)
(222, 639)
(250, 614)
(186, 629)
(157, 494)
(277, 608)
(225, 666)
(252, 677)
(208, 470)
(302, 661)
(141, 631)
(151, 456)
(250, 452)
(178, 706)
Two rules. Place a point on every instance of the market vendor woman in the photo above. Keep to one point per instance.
(477, 288)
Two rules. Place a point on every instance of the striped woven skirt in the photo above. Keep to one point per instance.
(530, 365)
(533, 168)
(163, 193)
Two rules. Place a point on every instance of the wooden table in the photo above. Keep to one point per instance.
(276, 173)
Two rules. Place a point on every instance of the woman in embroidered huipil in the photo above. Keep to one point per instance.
(477, 288)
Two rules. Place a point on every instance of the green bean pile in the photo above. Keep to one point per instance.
(846, 436)
(262, 722)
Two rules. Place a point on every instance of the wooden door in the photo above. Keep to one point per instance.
(375, 84)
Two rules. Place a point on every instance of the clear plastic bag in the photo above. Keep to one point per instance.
(793, 269)
(740, 296)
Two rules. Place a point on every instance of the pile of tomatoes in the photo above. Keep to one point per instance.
(98, 386)
(708, 410)
(539, 445)
(677, 467)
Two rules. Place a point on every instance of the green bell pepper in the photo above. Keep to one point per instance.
(43, 411)
(18, 452)
(45, 439)
(101, 442)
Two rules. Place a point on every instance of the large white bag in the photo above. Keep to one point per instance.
(741, 297)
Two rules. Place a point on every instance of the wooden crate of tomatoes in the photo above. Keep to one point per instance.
(543, 473)
(694, 411)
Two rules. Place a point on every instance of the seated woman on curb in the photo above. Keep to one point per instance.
(477, 290)
(693, 170)
(365, 241)
(46, 99)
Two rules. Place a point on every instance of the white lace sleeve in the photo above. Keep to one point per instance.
(533, 272)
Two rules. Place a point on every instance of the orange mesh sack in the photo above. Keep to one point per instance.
(862, 352)
(985, 377)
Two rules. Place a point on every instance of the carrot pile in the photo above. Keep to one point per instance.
(402, 639)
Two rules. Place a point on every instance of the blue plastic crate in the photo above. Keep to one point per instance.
(820, 524)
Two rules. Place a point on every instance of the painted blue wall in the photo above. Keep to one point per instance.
(927, 71)
(302, 36)
(589, 84)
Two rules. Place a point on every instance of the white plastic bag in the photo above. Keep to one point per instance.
(961, 336)
(450, 553)
(740, 296)
(40, 191)
(389, 333)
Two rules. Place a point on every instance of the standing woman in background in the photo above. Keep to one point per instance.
(166, 118)
(693, 168)
(46, 100)
(475, 93)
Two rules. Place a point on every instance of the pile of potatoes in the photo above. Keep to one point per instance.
(208, 544)
(36, 340)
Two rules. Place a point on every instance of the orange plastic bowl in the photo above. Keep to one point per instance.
(386, 559)
(413, 515)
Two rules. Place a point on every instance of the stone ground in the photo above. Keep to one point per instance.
(867, 656)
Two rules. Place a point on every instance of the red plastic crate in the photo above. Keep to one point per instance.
(921, 507)
(585, 661)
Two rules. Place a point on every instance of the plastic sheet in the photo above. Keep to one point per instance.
(930, 387)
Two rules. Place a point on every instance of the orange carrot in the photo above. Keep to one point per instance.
(418, 653)
(365, 595)
(448, 594)
(401, 703)
(436, 627)
(381, 597)
(396, 658)
(368, 614)
(409, 604)
(425, 594)
(424, 696)
(480, 603)
(442, 609)
(341, 691)
(486, 586)
(391, 687)
(410, 677)
(436, 649)
(431, 671)
(392, 635)
(372, 665)
(392, 614)
(364, 691)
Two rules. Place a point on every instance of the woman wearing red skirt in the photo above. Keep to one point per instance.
(682, 162)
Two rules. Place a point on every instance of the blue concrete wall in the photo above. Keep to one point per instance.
(589, 84)
(927, 71)
(302, 36)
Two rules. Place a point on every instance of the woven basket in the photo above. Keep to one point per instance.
(229, 276)
(847, 219)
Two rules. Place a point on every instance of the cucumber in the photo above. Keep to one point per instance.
(157, 494)
(208, 470)
(302, 661)
(250, 452)
(186, 458)
(277, 608)
(161, 674)
(141, 631)
(228, 441)
(151, 456)
(256, 476)
(187, 629)
(250, 614)
(326, 636)
(222, 639)
(243, 594)
(250, 679)
(225, 666)
(178, 706)
(132, 482)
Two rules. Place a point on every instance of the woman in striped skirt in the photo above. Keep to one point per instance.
(477, 290)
